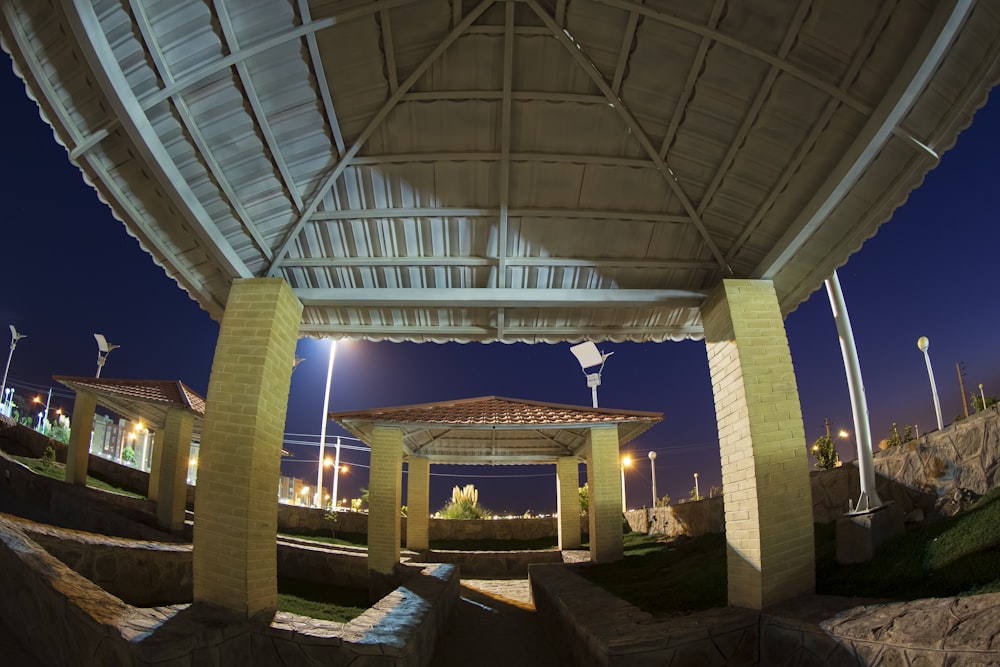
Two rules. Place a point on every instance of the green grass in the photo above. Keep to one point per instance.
(322, 601)
(947, 557)
(57, 471)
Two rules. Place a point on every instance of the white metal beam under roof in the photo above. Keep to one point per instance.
(529, 170)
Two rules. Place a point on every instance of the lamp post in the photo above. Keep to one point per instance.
(697, 494)
(322, 432)
(982, 395)
(589, 356)
(626, 461)
(14, 337)
(103, 350)
(652, 471)
(922, 345)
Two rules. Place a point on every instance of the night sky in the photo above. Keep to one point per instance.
(70, 269)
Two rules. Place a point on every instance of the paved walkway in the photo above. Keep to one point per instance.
(494, 624)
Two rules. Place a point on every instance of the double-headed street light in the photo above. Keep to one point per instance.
(14, 337)
(103, 350)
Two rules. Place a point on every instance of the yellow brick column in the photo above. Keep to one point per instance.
(568, 501)
(605, 509)
(173, 442)
(418, 503)
(235, 558)
(765, 475)
(153, 489)
(384, 499)
(79, 439)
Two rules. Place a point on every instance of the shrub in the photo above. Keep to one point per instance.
(464, 504)
(48, 457)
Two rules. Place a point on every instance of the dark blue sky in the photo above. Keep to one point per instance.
(70, 269)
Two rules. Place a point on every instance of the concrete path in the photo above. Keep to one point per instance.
(494, 624)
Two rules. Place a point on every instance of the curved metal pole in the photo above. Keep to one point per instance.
(322, 428)
(937, 401)
(869, 499)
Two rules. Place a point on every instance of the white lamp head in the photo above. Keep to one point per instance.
(14, 335)
(652, 456)
(923, 343)
(103, 345)
(587, 354)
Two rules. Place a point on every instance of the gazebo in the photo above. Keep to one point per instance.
(504, 171)
(171, 408)
(492, 430)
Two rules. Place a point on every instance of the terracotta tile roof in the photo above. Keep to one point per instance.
(172, 392)
(496, 410)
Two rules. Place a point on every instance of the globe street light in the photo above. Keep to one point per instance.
(652, 470)
(697, 495)
(14, 337)
(103, 350)
(922, 345)
(626, 461)
(982, 395)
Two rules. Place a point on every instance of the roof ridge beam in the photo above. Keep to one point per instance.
(494, 297)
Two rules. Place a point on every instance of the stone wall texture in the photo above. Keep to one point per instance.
(65, 619)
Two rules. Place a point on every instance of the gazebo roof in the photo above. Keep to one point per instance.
(541, 170)
(495, 430)
(145, 400)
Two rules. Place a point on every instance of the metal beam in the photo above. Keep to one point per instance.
(495, 297)
(373, 124)
(116, 89)
(574, 49)
(321, 82)
(447, 212)
(389, 50)
(743, 47)
(546, 261)
(481, 156)
(918, 69)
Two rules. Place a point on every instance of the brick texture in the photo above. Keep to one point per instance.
(173, 442)
(765, 474)
(605, 511)
(384, 499)
(235, 561)
(568, 501)
(79, 440)
(418, 503)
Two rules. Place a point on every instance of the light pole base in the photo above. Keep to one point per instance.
(859, 534)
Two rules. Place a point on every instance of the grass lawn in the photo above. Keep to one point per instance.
(57, 471)
(954, 556)
(323, 601)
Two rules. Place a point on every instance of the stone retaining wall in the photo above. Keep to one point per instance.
(592, 627)
(691, 518)
(66, 619)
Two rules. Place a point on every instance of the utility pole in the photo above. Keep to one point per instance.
(961, 387)
(826, 422)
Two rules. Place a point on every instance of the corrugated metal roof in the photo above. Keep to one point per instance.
(574, 170)
(495, 430)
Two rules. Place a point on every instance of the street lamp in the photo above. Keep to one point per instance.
(922, 345)
(626, 461)
(589, 356)
(322, 431)
(982, 395)
(14, 337)
(652, 470)
(103, 350)
(697, 494)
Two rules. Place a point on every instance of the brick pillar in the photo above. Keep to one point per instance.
(384, 501)
(568, 501)
(418, 503)
(765, 475)
(604, 476)
(153, 489)
(79, 440)
(235, 558)
(173, 442)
